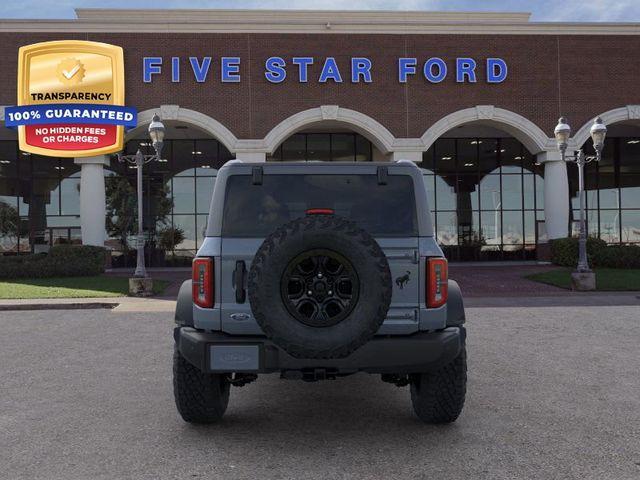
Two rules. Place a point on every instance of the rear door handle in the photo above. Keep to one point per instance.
(239, 275)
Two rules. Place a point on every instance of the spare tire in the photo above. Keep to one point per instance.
(320, 287)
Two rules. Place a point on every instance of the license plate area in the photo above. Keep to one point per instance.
(234, 358)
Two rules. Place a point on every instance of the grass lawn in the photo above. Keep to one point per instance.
(70, 287)
(607, 279)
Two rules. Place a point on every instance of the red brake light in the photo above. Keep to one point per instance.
(202, 279)
(320, 211)
(437, 282)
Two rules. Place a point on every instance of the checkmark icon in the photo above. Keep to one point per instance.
(71, 73)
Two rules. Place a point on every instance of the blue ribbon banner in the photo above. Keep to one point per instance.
(70, 113)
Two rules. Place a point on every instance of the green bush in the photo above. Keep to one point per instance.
(61, 261)
(564, 252)
(618, 256)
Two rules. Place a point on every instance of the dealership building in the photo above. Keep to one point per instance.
(471, 98)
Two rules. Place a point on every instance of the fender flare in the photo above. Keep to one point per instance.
(455, 305)
(184, 305)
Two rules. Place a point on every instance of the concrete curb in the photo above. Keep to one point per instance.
(56, 306)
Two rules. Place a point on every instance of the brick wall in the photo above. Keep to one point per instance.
(578, 76)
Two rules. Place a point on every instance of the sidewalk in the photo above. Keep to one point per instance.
(117, 304)
(483, 285)
(502, 280)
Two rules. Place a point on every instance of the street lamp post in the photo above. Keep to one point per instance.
(156, 133)
(562, 133)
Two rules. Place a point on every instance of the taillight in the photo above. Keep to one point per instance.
(202, 279)
(320, 211)
(437, 282)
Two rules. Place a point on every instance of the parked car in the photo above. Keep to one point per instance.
(316, 271)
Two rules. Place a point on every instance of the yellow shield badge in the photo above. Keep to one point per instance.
(71, 99)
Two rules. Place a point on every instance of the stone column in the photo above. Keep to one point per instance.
(407, 155)
(92, 199)
(251, 156)
(556, 194)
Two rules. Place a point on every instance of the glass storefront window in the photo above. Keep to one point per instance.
(204, 191)
(529, 191)
(188, 225)
(183, 189)
(70, 196)
(447, 228)
(530, 227)
(512, 228)
(182, 157)
(485, 193)
(8, 159)
(491, 225)
(467, 154)
(445, 160)
(630, 190)
(612, 190)
(609, 225)
(445, 195)
(512, 192)
(487, 158)
(429, 183)
(511, 155)
(343, 147)
(318, 147)
(630, 222)
(427, 159)
(337, 147)
(490, 197)
(539, 192)
(467, 192)
(364, 149)
(44, 166)
(294, 148)
(201, 225)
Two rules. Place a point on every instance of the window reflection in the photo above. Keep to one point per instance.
(630, 221)
(612, 191)
(487, 197)
(326, 147)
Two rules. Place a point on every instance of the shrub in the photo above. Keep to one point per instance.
(61, 261)
(618, 256)
(564, 252)
(170, 237)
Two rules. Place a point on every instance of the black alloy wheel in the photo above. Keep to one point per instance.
(320, 287)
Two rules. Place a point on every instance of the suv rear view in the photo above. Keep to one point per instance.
(314, 271)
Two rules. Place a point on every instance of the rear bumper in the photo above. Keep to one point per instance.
(420, 352)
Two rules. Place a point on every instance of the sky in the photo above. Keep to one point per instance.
(542, 10)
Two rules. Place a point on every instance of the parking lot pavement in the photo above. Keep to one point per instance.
(553, 392)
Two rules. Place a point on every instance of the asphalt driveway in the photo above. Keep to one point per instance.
(554, 392)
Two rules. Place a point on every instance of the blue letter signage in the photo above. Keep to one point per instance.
(428, 70)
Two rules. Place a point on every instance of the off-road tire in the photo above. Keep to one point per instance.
(438, 396)
(304, 234)
(200, 397)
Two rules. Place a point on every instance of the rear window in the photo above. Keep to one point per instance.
(257, 210)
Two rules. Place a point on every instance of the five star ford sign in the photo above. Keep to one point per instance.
(70, 99)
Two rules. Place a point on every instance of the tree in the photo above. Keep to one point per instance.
(122, 208)
(9, 221)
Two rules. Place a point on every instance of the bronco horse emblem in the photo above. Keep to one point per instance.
(403, 280)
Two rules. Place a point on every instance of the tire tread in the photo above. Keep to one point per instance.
(200, 397)
(438, 396)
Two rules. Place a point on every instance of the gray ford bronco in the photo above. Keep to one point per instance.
(316, 271)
